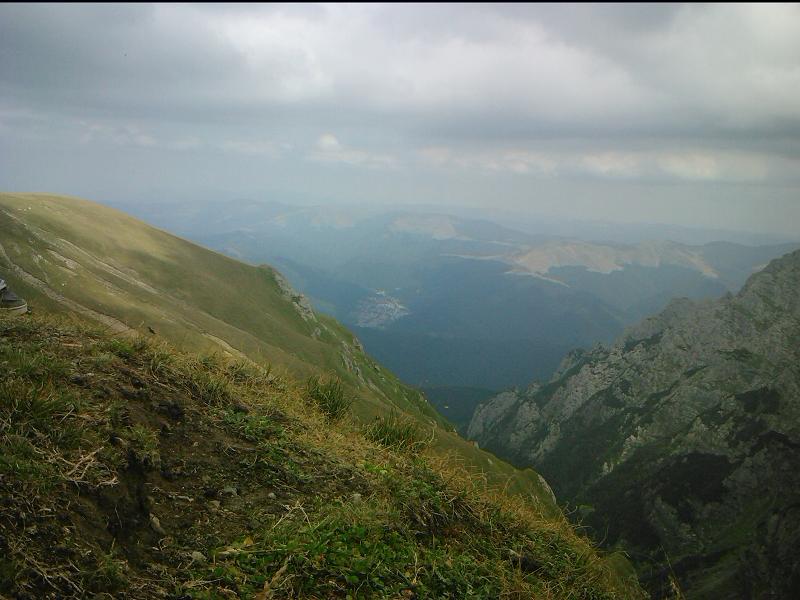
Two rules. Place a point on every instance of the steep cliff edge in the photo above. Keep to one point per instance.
(681, 441)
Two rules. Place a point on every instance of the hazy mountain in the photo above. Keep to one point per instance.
(446, 300)
(681, 441)
(79, 258)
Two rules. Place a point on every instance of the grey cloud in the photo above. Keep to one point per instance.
(548, 70)
(552, 93)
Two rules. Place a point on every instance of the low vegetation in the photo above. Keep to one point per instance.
(130, 470)
(396, 432)
(329, 396)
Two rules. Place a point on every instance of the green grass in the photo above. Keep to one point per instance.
(143, 446)
(160, 493)
(329, 396)
(396, 432)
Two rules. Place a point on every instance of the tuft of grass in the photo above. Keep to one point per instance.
(209, 386)
(122, 347)
(144, 446)
(33, 365)
(243, 371)
(247, 373)
(20, 462)
(428, 502)
(397, 433)
(110, 574)
(329, 396)
(25, 409)
(210, 362)
(252, 427)
(160, 361)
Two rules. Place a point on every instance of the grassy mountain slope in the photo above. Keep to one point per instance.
(70, 255)
(129, 470)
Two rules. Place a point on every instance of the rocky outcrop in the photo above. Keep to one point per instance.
(681, 441)
(299, 302)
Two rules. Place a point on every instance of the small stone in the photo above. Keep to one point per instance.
(79, 379)
(129, 393)
(155, 525)
(356, 497)
(214, 504)
(118, 441)
(240, 407)
(230, 491)
(199, 557)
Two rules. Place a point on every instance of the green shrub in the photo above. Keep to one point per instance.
(329, 396)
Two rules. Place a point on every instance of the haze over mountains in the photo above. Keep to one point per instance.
(678, 441)
(452, 301)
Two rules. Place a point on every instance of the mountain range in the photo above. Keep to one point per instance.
(675, 445)
(447, 301)
(679, 442)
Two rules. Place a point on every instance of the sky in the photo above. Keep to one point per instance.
(667, 113)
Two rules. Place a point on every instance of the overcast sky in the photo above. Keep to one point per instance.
(685, 114)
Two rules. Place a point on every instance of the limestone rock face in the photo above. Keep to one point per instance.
(300, 303)
(683, 438)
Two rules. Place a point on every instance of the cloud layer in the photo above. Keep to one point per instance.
(522, 97)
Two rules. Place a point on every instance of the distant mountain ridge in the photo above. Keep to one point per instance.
(608, 258)
(445, 300)
(684, 436)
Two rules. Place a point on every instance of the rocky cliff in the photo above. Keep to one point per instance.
(680, 442)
